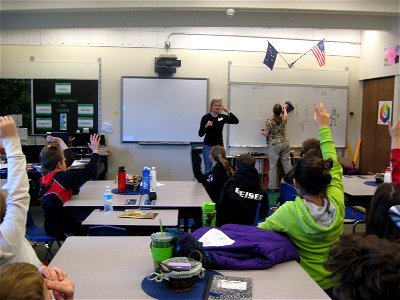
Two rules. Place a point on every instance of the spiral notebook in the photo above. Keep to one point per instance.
(227, 287)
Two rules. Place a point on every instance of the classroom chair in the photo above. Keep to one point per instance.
(288, 192)
(107, 230)
(37, 234)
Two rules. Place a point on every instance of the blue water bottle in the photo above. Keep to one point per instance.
(146, 180)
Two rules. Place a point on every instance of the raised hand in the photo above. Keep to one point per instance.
(321, 116)
(57, 140)
(394, 131)
(94, 143)
(8, 129)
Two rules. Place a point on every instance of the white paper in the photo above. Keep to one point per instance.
(215, 237)
(77, 163)
(232, 285)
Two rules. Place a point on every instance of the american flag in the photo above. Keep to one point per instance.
(319, 52)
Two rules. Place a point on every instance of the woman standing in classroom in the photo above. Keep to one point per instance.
(211, 126)
(278, 144)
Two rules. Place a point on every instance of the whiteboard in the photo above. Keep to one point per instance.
(253, 104)
(163, 110)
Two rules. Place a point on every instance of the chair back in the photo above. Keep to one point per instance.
(107, 230)
(288, 192)
(29, 220)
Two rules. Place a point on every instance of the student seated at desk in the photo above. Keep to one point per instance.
(365, 268)
(58, 184)
(69, 156)
(22, 281)
(314, 220)
(242, 195)
(14, 247)
(214, 180)
(378, 221)
(311, 145)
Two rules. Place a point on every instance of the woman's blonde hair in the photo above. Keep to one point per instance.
(218, 153)
(215, 100)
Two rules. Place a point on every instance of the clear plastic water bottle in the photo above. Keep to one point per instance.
(153, 179)
(146, 180)
(108, 200)
(387, 177)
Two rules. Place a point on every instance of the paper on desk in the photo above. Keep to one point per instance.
(215, 237)
(77, 163)
(3, 166)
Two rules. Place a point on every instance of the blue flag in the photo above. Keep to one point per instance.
(270, 56)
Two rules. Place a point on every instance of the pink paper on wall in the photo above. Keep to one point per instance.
(391, 55)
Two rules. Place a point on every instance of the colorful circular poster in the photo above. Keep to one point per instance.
(384, 113)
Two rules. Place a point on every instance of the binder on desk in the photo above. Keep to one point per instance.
(227, 287)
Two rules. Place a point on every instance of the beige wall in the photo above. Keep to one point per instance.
(172, 162)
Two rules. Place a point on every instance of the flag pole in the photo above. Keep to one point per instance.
(289, 65)
(303, 54)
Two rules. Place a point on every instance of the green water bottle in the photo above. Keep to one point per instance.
(209, 214)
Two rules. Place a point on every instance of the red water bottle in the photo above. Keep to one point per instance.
(121, 180)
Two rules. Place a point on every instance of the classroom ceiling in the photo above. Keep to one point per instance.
(38, 14)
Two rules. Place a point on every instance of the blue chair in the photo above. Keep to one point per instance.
(37, 234)
(107, 230)
(288, 192)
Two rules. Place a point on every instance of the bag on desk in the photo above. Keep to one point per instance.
(185, 244)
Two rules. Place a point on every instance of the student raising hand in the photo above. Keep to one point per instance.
(94, 143)
(7, 127)
(321, 116)
(394, 131)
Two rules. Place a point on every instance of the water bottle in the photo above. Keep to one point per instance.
(387, 178)
(153, 179)
(108, 200)
(146, 180)
(209, 214)
(121, 180)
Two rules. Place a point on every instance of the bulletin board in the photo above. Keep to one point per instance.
(64, 105)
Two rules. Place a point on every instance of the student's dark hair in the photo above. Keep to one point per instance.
(245, 160)
(378, 218)
(312, 173)
(313, 153)
(277, 113)
(21, 281)
(309, 144)
(365, 268)
(50, 156)
(218, 153)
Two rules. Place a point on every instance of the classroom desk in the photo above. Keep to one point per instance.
(169, 218)
(357, 193)
(114, 267)
(187, 196)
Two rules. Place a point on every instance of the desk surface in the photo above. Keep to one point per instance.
(114, 267)
(355, 185)
(172, 194)
(169, 218)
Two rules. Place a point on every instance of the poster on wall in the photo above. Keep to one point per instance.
(384, 112)
(65, 105)
(391, 55)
